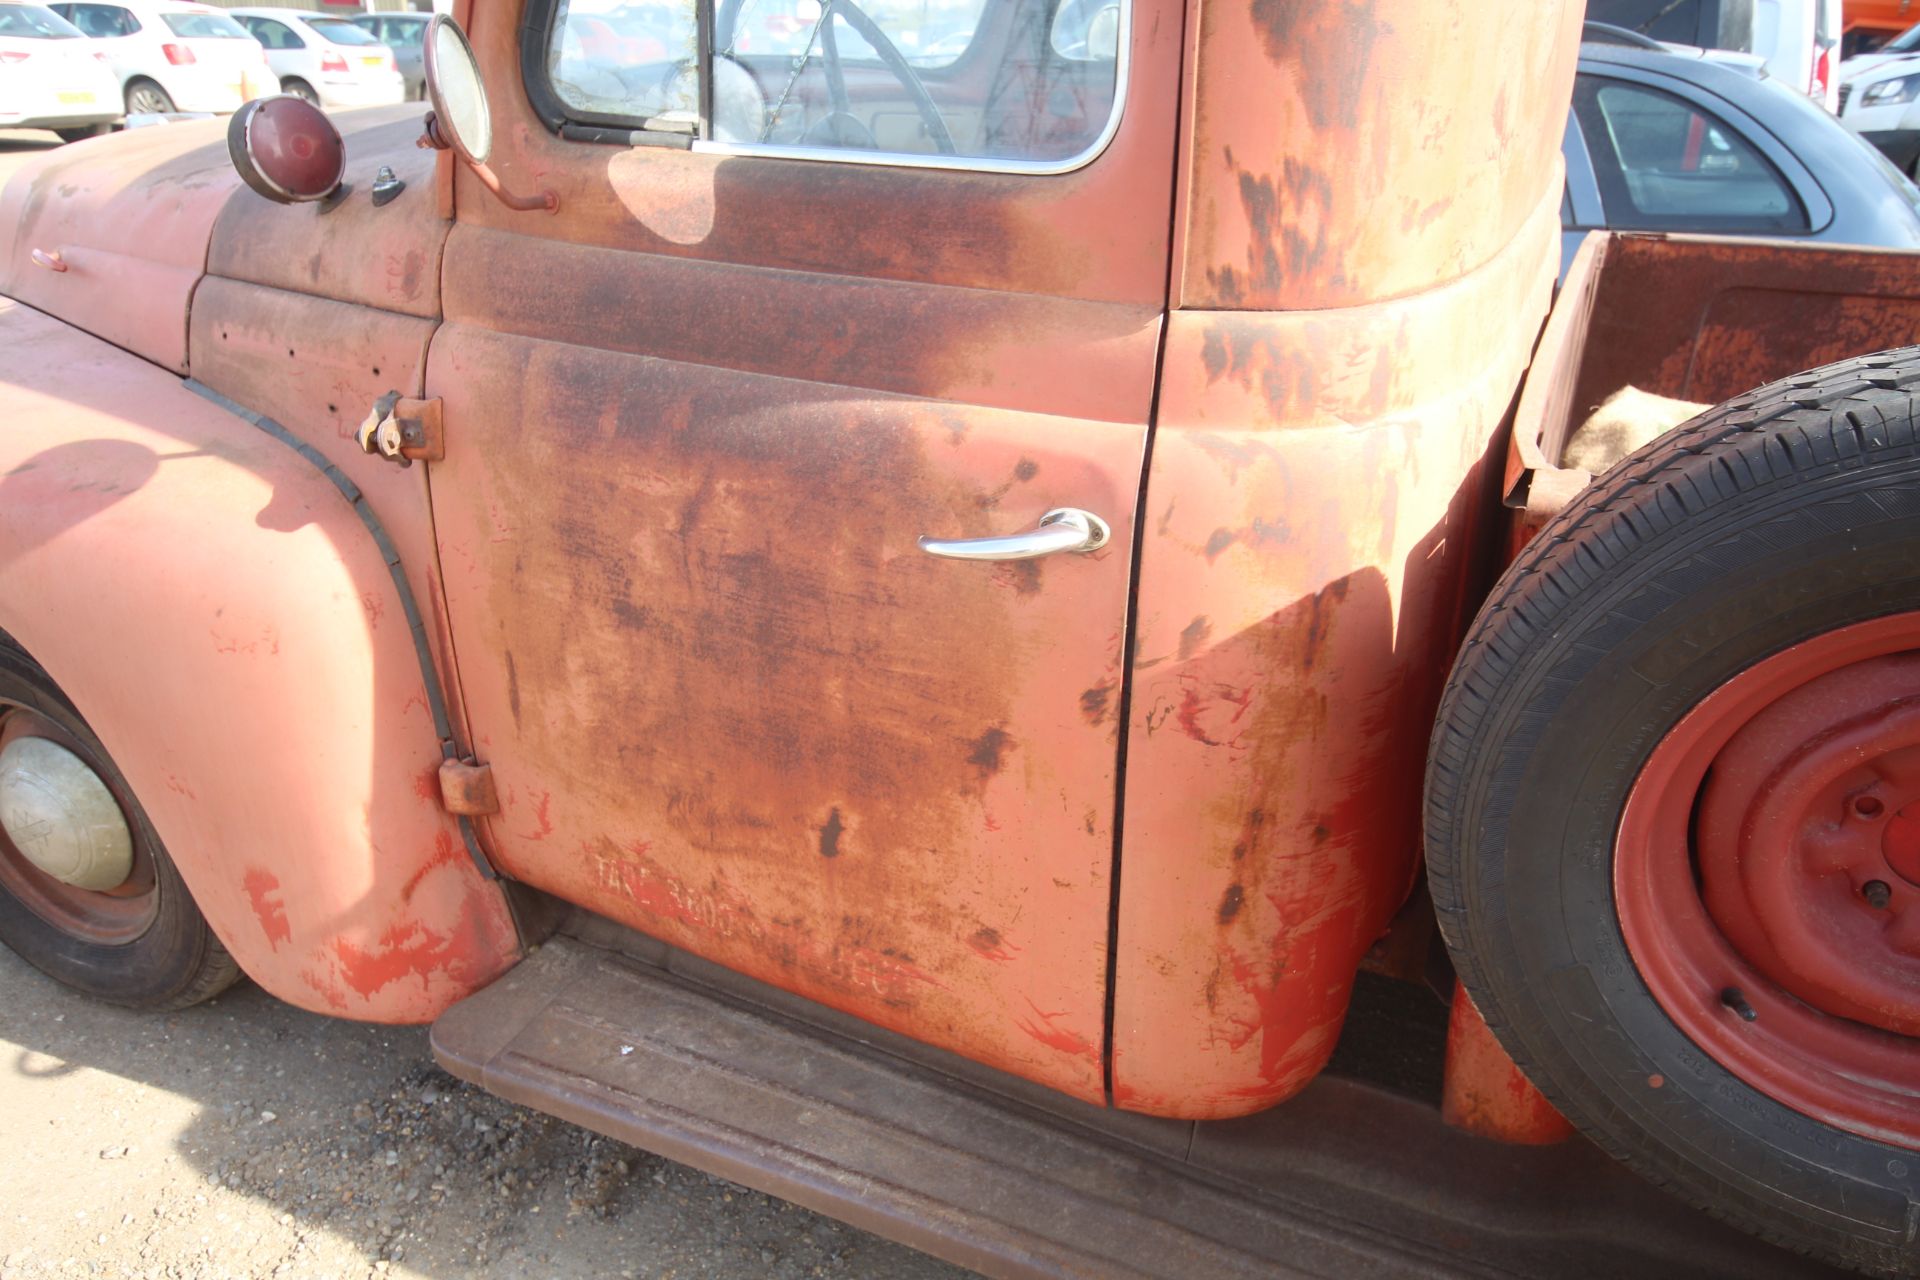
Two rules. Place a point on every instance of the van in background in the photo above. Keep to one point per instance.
(1798, 40)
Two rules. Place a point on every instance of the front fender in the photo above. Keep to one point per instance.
(218, 613)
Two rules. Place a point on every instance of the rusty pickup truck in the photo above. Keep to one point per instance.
(892, 598)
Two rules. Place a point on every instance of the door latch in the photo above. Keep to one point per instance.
(404, 431)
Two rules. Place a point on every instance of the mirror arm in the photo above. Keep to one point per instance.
(547, 198)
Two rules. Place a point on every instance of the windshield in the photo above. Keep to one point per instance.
(1906, 42)
(31, 22)
(340, 31)
(205, 26)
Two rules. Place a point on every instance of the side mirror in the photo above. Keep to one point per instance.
(287, 150)
(461, 120)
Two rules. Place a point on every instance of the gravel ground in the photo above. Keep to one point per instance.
(246, 1138)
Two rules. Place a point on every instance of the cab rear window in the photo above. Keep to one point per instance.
(972, 83)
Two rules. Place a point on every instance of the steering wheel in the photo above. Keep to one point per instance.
(840, 127)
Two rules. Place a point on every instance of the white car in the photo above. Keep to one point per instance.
(173, 56)
(324, 59)
(1882, 105)
(50, 78)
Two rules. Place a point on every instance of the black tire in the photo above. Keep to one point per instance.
(176, 961)
(1775, 518)
(147, 96)
(83, 132)
(301, 90)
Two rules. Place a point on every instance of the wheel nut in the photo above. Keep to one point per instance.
(1877, 894)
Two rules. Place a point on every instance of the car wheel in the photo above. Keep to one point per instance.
(1673, 812)
(300, 89)
(88, 894)
(82, 132)
(145, 97)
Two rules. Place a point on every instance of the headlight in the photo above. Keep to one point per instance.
(1887, 92)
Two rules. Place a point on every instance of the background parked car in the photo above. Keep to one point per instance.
(172, 56)
(1674, 139)
(403, 33)
(1882, 104)
(50, 78)
(324, 59)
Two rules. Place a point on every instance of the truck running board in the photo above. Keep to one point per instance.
(1346, 1181)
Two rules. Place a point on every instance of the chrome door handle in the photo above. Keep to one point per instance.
(1062, 529)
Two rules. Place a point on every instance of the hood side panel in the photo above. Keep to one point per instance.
(131, 215)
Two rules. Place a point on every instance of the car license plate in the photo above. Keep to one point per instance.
(374, 60)
(74, 97)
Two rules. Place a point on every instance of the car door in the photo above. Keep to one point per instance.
(698, 422)
(113, 29)
(1670, 156)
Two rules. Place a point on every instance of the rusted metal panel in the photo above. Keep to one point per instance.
(696, 422)
(315, 365)
(130, 216)
(1486, 1093)
(1320, 482)
(1545, 416)
(467, 787)
(1704, 320)
(386, 257)
(1389, 147)
(729, 702)
(276, 726)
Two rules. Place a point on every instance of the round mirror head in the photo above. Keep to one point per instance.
(286, 149)
(454, 87)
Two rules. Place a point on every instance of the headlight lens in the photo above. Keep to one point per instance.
(1887, 92)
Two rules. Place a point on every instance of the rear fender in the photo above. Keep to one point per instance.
(217, 611)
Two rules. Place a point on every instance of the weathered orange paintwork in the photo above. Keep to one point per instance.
(218, 613)
(697, 419)
(1362, 270)
(1486, 1093)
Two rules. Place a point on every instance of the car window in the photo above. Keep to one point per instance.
(204, 26)
(274, 35)
(34, 22)
(396, 34)
(1015, 80)
(102, 21)
(1664, 164)
(340, 31)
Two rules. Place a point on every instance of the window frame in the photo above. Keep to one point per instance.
(1814, 205)
(573, 125)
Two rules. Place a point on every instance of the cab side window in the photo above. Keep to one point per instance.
(1020, 81)
(1664, 164)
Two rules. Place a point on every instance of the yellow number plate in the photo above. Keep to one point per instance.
(374, 60)
(74, 98)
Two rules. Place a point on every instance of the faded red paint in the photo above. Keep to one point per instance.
(1361, 274)
(263, 890)
(349, 879)
(1487, 1094)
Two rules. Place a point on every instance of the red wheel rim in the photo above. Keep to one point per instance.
(107, 917)
(1767, 877)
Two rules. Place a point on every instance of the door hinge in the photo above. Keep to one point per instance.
(466, 788)
(404, 431)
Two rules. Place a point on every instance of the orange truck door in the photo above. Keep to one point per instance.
(698, 421)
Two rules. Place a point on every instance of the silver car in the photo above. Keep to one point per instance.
(1674, 139)
(402, 33)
